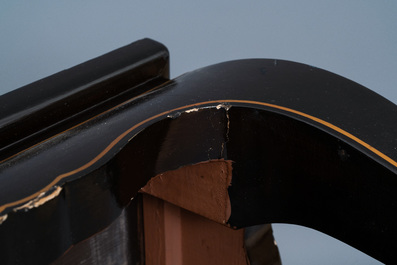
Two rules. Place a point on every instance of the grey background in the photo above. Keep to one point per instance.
(356, 39)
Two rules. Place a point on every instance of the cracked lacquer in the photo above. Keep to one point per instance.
(39, 200)
(3, 218)
(226, 107)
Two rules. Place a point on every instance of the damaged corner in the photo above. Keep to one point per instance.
(201, 188)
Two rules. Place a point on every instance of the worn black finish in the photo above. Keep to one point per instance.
(309, 147)
(35, 112)
(119, 243)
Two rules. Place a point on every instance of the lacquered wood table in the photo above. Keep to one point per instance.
(111, 162)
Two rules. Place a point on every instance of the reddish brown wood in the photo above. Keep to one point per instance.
(174, 236)
(153, 215)
(176, 231)
(200, 188)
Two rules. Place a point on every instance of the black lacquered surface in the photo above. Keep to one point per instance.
(309, 147)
